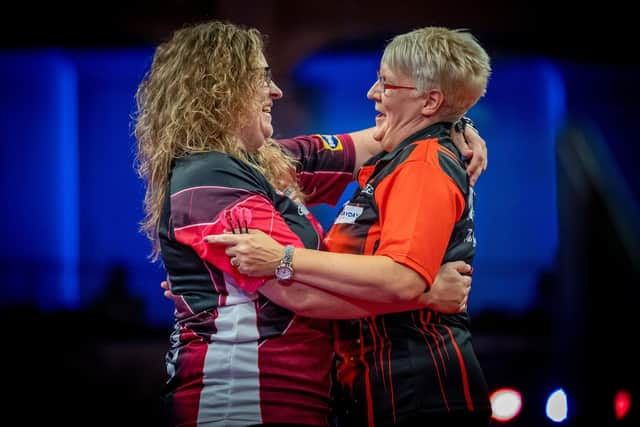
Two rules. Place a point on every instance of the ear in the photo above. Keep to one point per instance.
(433, 100)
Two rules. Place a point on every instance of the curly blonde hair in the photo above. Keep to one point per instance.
(194, 97)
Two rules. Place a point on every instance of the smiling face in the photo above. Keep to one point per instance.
(400, 110)
(258, 127)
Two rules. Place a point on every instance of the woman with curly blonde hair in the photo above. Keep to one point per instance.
(195, 102)
(239, 357)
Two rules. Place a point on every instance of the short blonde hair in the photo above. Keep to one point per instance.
(451, 60)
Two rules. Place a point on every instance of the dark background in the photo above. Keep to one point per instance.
(101, 361)
(603, 32)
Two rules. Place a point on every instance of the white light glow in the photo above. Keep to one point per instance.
(506, 404)
(557, 406)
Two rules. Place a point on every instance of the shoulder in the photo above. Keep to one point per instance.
(451, 163)
(215, 169)
(433, 157)
(209, 161)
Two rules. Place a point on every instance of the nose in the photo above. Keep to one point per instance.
(374, 93)
(274, 91)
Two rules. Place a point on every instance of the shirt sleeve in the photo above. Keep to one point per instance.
(230, 199)
(418, 206)
(325, 165)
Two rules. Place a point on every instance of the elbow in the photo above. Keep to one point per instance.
(409, 285)
(290, 297)
(299, 306)
(309, 308)
(409, 291)
(302, 307)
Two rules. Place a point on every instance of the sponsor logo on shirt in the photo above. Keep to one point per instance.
(331, 142)
(368, 190)
(349, 214)
(302, 210)
(470, 237)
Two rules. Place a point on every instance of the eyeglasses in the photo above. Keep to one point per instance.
(267, 77)
(384, 85)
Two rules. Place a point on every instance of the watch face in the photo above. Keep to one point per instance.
(283, 272)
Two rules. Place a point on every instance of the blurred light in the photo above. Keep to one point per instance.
(557, 406)
(506, 404)
(622, 403)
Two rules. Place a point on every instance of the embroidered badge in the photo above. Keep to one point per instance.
(331, 142)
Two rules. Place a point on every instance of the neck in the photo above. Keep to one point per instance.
(405, 131)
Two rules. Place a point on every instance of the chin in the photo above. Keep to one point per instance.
(267, 132)
(378, 135)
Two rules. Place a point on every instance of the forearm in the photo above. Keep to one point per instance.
(362, 277)
(365, 146)
(309, 301)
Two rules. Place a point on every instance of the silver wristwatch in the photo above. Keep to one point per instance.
(284, 270)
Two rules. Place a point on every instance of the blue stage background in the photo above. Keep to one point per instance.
(73, 201)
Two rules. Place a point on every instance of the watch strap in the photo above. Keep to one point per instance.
(287, 257)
